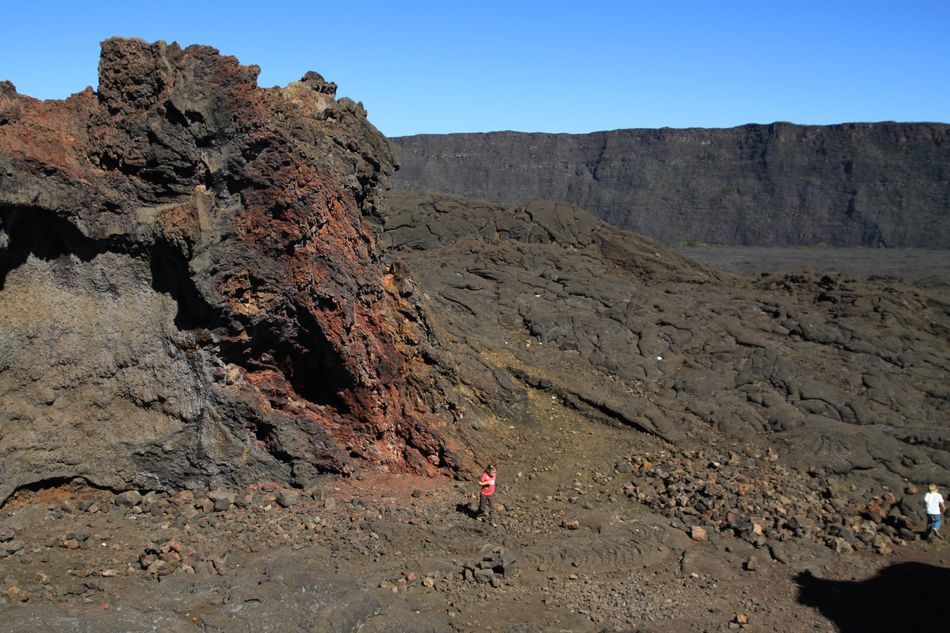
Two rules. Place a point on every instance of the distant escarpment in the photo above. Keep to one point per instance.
(858, 184)
(189, 287)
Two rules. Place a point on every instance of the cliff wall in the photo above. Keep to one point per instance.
(860, 184)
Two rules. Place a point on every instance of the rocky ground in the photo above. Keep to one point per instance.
(572, 547)
(609, 519)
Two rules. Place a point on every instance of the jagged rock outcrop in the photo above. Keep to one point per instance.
(858, 184)
(835, 374)
(189, 287)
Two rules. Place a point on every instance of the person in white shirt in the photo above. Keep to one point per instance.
(933, 500)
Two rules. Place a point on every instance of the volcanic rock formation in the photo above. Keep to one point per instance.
(858, 184)
(189, 289)
(835, 374)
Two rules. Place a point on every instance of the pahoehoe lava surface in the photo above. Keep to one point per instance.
(837, 374)
(855, 184)
(189, 289)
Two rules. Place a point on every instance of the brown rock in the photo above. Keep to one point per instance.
(17, 595)
(698, 533)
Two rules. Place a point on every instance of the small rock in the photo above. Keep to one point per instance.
(128, 499)
(698, 534)
(94, 585)
(155, 568)
(570, 524)
(7, 534)
(12, 547)
(742, 618)
(288, 498)
(185, 496)
(219, 566)
(416, 493)
(71, 543)
(428, 582)
(484, 575)
(221, 499)
(17, 595)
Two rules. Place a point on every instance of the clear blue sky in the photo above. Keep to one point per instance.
(536, 66)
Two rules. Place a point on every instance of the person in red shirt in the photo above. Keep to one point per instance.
(486, 500)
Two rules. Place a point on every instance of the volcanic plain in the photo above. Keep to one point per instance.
(245, 388)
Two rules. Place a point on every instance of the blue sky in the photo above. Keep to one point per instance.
(434, 67)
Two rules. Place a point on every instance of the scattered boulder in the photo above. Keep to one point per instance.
(288, 498)
(128, 499)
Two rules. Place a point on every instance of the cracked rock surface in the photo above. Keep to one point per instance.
(189, 289)
(838, 374)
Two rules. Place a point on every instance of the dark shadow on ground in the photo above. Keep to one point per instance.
(901, 598)
(466, 509)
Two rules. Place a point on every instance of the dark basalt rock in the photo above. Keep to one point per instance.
(188, 287)
(856, 184)
(839, 375)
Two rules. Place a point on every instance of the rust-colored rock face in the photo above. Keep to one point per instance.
(188, 287)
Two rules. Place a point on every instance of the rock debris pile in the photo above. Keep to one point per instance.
(754, 498)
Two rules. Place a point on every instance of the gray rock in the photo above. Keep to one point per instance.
(288, 498)
(483, 575)
(128, 499)
(223, 495)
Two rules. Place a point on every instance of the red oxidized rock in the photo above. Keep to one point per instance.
(187, 283)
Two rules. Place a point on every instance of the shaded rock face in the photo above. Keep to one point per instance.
(860, 184)
(835, 374)
(188, 285)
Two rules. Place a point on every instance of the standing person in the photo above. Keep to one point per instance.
(486, 498)
(935, 507)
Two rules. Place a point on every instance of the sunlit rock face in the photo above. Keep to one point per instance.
(189, 286)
